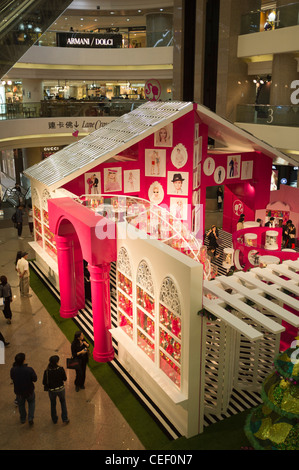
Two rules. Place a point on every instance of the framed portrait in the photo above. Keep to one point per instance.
(199, 175)
(209, 166)
(112, 179)
(247, 170)
(163, 137)
(219, 175)
(179, 156)
(92, 183)
(155, 162)
(131, 181)
(197, 152)
(156, 192)
(177, 183)
(179, 207)
(233, 166)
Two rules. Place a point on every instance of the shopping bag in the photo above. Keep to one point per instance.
(72, 363)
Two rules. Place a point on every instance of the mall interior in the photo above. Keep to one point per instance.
(150, 151)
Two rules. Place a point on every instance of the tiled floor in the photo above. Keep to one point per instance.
(95, 423)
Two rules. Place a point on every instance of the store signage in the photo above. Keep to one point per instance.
(295, 94)
(238, 207)
(94, 41)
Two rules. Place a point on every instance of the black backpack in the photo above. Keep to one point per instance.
(14, 218)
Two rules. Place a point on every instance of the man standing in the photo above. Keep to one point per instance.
(23, 271)
(23, 378)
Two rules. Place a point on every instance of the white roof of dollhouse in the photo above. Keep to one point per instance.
(124, 131)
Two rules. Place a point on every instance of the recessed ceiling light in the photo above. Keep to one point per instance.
(128, 19)
(111, 12)
(161, 9)
(139, 11)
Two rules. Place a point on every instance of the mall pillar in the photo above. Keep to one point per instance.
(67, 281)
(100, 298)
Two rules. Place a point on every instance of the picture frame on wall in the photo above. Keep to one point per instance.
(177, 183)
(92, 182)
(156, 192)
(233, 166)
(195, 179)
(179, 207)
(247, 170)
(179, 156)
(112, 179)
(197, 152)
(219, 175)
(196, 131)
(131, 181)
(163, 137)
(155, 162)
(209, 166)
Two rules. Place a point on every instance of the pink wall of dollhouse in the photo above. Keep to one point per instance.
(247, 195)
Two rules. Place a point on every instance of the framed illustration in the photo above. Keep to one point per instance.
(197, 152)
(177, 183)
(219, 175)
(156, 193)
(155, 162)
(247, 170)
(199, 175)
(179, 207)
(92, 183)
(112, 179)
(195, 179)
(209, 166)
(163, 137)
(233, 166)
(131, 181)
(179, 156)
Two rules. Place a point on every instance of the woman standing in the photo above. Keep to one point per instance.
(213, 240)
(53, 381)
(79, 349)
(5, 292)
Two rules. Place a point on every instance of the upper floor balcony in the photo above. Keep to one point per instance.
(269, 32)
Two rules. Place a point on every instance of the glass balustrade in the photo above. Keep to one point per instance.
(269, 19)
(268, 114)
(68, 108)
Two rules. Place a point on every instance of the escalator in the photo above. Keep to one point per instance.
(22, 22)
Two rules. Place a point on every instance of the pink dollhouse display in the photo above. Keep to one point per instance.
(148, 220)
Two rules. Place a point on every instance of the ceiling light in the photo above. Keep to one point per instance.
(111, 12)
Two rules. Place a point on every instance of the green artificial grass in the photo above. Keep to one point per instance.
(227, 434)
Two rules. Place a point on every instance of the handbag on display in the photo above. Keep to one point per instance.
(72, 362)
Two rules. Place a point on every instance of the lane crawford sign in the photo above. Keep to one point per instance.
(92, 41)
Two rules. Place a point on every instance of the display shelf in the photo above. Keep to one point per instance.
(37, 213)
(125, 304)
(125, 324)
(145, 344)
(170, 320)
(157, 375)
(146, 323)
(145, 301)
(124, 283)
(170, 369)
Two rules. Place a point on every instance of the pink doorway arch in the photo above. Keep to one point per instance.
(77, 237)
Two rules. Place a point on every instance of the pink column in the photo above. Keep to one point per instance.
(67, 282)
(100, 297)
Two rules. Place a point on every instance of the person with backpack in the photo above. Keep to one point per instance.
(53, 382)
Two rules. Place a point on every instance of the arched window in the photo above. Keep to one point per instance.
(170, 326)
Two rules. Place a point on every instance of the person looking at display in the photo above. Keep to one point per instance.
(79, 348)
(213, 237)
(291, 235)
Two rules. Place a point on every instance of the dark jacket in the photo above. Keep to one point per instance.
(54, 378)
(5, 290)
(23, 378)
